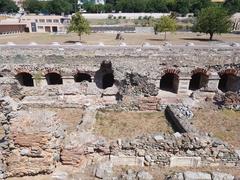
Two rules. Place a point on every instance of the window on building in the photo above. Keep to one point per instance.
(49, 20)
(56, 21)
(41, 20)
(40, 27)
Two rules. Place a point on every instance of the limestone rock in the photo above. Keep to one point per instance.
(185, 161)
(158, 137)
(188, 175)
(104, 170)
(221, 176)
(143, 175)
(60, 175)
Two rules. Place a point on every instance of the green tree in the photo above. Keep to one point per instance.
(233, 6)
(34, 6)
(74, 5)
(165, 24)
(131, 5)
(183, 6)
(197, 5)
(157, 6)
(212, 20)
(8, 6)
(59, 6)
(79, 25)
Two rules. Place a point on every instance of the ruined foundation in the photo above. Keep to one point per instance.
(36, 79)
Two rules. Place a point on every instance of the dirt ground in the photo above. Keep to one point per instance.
(224, 124)
(114, 125)
(69, 117)
(109, 38)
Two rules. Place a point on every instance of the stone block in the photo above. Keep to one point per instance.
(185, 161)
(221, 176)
(188, 175)
(127, 161)
(104, 170)
(60, 175)
(238, 153)
(143, 175)
(158, 137)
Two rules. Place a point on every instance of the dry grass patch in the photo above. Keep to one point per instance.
(115, 125)
(224, 124)
(109, 38)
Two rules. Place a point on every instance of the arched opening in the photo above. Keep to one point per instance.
(25, 79)
(169, 82)
(80, 77)
(198, 81)
(1, 75)
(53, 78)
(228, 82)
(107, 80)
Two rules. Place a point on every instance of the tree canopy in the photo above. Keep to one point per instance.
(165, 24)
(8, 6)
(232, 6)
(180, 6)
(211, 20)
(51, 7)
(79, 25)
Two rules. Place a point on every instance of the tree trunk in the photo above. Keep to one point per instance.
(80, 37)
(165, 36)
(211, 36)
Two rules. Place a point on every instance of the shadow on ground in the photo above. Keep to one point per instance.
(160, 40)
(73, 42)
(200, 39)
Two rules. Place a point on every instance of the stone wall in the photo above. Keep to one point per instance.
(152, 62)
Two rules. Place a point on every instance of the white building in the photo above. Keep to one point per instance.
(46, 23)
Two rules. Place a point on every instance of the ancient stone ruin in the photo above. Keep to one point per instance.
(34, 80)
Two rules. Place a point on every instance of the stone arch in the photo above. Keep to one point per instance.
(53, 78)
(80, 77)
(229, 80)
(170, 81)
(25, 79)
(199, 79)
(104, 77)
(107, 80)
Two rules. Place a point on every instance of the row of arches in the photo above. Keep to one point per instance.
(26, 79)
(227, 82)
(169, 81)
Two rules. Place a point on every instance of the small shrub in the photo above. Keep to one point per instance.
(145, 17)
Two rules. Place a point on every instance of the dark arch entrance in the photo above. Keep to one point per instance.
(198, 81)
(1, 75)
(25, 79)
(53, 78)
(228, 82)
(80, 77)
(169, 82)
(107, 80)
